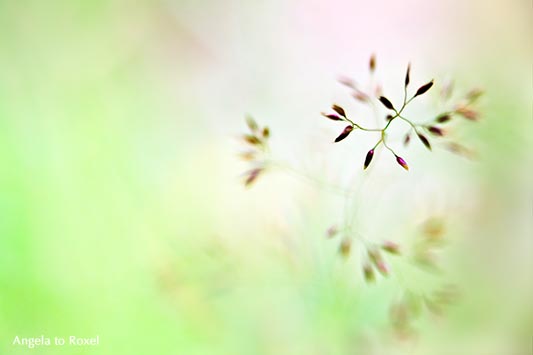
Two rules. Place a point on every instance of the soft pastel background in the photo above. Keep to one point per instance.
(122, 212)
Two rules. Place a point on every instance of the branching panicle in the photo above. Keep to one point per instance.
(378, 257)
(463, 109)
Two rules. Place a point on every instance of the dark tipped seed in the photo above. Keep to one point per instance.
(402, 162)
(372, 63)
(339, 110)
(436, 131)
(443, 118)
(424, 88)
(332, 116)
(368, 158)
(424, 141)
(344, 133)
(386, 102)
(408, 75)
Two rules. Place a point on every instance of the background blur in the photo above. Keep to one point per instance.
(122, 210)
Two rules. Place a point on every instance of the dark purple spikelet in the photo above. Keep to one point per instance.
(424, 88)
(443, 118)
(436, 131)
(402, 162)
(408, 75)
(368, 158)
(332, 116)
(386, 102)
(339, 110)
(424, 141)
(344, 133)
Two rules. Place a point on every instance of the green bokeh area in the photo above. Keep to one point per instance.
(120, 217)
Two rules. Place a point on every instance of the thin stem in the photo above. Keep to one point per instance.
(368, 129)
(411, 123)
(385, 143)
(360, 127)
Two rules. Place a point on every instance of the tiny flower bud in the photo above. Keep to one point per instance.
(332, 116)
(379, 263)
(424, 141)
(461, 150)
(251, 139)
(443, 118)
(372, 63)
(345, 247)
(391, 247)
(361, 96)
(344, 133)
(473, 95)
(436, 131)
(368, 272)
(339, 110)
(332, 231)
(424, 88)
(251, 123)
(386, 102)
(388, 117)
(467, 113)
(402, 162)
(433, 229)
(247, 156)
(368, 158)
(383, 268)
(266, 132)
(378, 91)
(407, 139)
(252, 176)
(346, 82)
(447, 90)
(407, 75)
